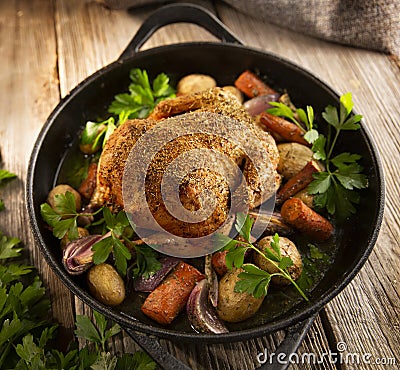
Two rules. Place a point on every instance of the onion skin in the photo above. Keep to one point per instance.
(141, 284)
(202, 316)
(78, 254)
(260, 103)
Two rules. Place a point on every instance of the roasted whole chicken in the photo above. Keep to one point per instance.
(208, 189)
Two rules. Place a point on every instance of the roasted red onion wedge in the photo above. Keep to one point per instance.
(201, 314)
(260, 103)
(141, 284)
(78, 254)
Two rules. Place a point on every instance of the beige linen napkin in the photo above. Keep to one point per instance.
(371, 24)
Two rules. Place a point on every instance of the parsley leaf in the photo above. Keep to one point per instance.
(334, 188)
(243, 226)
(318, 148)
(253, 281)
(146, 262)
(143, 96)
(235, 256)
(86, 329)
(63, 218)
(5, 176)
(116, 225)
(9, 247)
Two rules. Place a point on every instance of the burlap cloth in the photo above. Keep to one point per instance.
(371, 24)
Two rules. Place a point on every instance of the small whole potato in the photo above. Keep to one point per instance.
(292, 158)
(234, 306)
(195, 83)
(308, 199)
(235, 91)
(288, 249)
(63, 189)
(106, 284)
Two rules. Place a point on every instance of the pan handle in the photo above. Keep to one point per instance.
(178, 13)
(156, 351)
(293, 338)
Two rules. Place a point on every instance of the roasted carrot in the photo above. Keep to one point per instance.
(251, 85)
(88, 185)
(304, 219)
(297, 182)
(288, 130)
(165, 302)
(218, 262)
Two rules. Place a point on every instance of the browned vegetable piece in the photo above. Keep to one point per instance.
(63, 189)
(106, 285)
(292, 158)
(251, 85)
(88, 185)
(165, 302)
(235, 306)
(307, 198)
(288, 130)
(297, 182)
(219, 263)
(195, 83)
(288, 249)
(304, 219)
(235, 91)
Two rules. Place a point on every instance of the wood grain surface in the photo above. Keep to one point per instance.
(48, 46)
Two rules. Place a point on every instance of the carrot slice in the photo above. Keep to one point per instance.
(288, 130)
(297, 182)
(165, 302)
(304, 219)
(250, 85)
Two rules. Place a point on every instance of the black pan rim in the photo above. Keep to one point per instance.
(126, 320)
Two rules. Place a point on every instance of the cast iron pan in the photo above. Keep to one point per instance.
(225, 61)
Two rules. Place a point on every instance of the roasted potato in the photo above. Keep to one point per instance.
(235, 91)
(292, 158)
(233, 306)
(106, 284)
(303, 195)
(288, 249)
(195, 83)
(63, 189)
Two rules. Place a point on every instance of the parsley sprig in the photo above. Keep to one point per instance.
(116, 225)
(254, 280)
(335, 188)
(63, 218)
(138, 103)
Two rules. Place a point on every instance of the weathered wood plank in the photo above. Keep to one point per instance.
(366, 314)
(29, 85)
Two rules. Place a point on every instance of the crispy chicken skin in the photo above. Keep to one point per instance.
(199, 186)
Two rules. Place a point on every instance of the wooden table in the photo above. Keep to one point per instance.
(48, 46)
